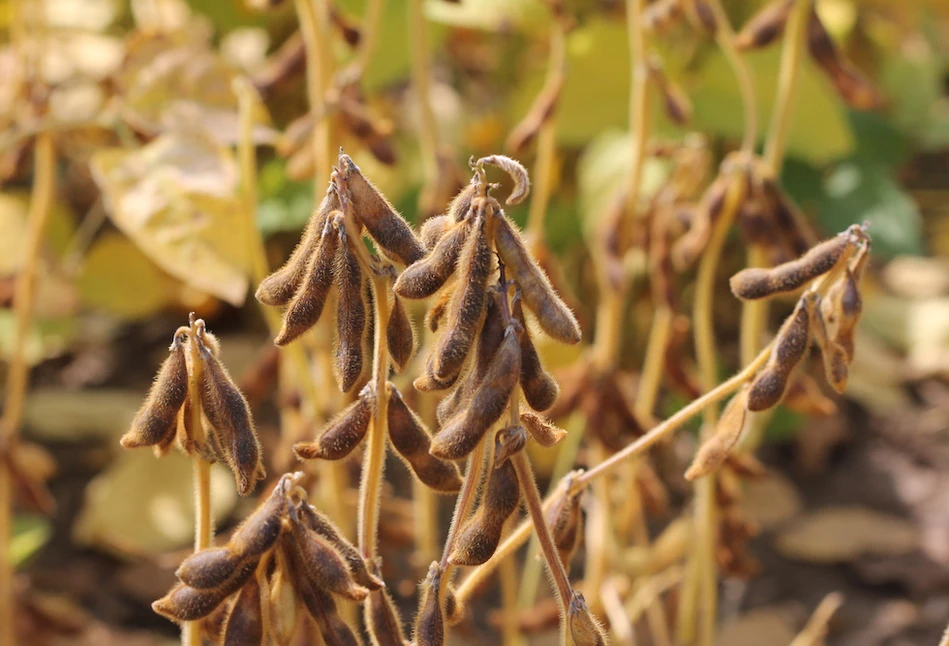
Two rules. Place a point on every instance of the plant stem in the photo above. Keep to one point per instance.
(508, 577)
(370, 486)
(369, 34)
(816, 629)
(191, 635)
(638, 102)
(319, 70)
(421, 79)
(41, 199)
(651, 377)
(463, 503)
(725, 37)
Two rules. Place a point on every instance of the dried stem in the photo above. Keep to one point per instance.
(508, 576)
(319, 70)
(421, 79)
(725, 37)
(370, 486)
(44, 168)
(651, 377)
(815, 631)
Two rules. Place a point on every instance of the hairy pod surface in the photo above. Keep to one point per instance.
(756, 282)
(307, 305)
(284, 604)
(435, 315)
(319, 603)
(260, 530)
(565, 520)
(184, 603)
(412, 442)
(245, 621)
(836, 362)
(385, 225)
(539, 387)
(542, 429)
(279, 287)
(716, 449)
(461, 434)
(429, 382)
(209, 568)
(400, 335)
(765, 26)
(433, 229)
(229, 414)
(351, 320)
(322, 564)
(790, 346)
(847, 304)
(480, 535)
(430, 622)
(156, 421)
(553, 315)
(425, 277)
(508, 441)
(582, 627)
(323, 526)
(382, 620)
(343, 434)
(515, 170)
(466, 308)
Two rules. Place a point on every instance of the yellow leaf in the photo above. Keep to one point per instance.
(176, 198)
(836, 534)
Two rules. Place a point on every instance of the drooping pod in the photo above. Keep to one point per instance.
(716, 449)
(466, 308)
(553, 315)
(479, 537)
(280, 286)
(539, 387)
(400, 336)
(430, 622)
(412, 442)
(582, 627)
(433, 229)
(428, 381)
(852, 85)
(675, 102)
(382, 618)
(307, 305)
(156, 421)
(756, 282)
(542, 429)
(322, 608)
(565, 520)
(344, 433)
(426, 276)
(390, 231)
(790, 346)
(321, 562)
(727, 187)
(210, 568)
(229, 414)
(836, 362)
(515, 170)
(351, 320)
(245, 621)
(184, 603)
(541, 111)
(461, 434)
(764, 27)
(509, 441)
(842, 307)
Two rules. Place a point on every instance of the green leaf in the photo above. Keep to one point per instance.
(30, 533)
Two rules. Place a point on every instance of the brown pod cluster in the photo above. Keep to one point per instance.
(430, 622)
(166, 415)
(764, 27)
(790, 347)
(852, 84)
(478, 538)
(343, 433)
(412, 441)
(757, 282)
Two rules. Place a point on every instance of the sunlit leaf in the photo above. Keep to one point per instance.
(30, 533)
(176, 198)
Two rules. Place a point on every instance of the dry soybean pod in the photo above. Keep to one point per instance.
(552, 313)
(433, 229)
(565, 520)
(756, 282)
(479, 536)
(836, 363)
(430, 622)
(209, 568)
(459, 436)
(582, 626)
(382, 619)
(307, 305)
(542, 429)
(157, 421)
(539, 387)
(319, 603)
(279, 287)
(412, 442)
(508, 441)
(713, 453)
(400, 335)
(184, 603)
(351, 320)
(425, 277)
(343, 434)
(322, 563)
(764, 27)
(245, 621)
(260, 530)
(434, 316)
(790, 346)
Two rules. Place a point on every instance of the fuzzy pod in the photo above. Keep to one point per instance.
(433, 229)
(539, 387)
(382, 619)
(756, 282)
(351, 319)
(156, 421)
(544, 432)
(508, 442)
(565, 520)
(400, 335)
(460, 205)
(343, 434)
(582, 627)
(184, 603)
(764, 27)
(390, 231)
(836, 363)
(539, 296)
(307, 305)
(323, 526)
(850, 83)
(209, 568)
(260, 530)
(790, 347)
(515, 170)
(466, 309)
(283, 604)
(322, 564)
(845, 301)
(428, 275)
(461, 434)
(430, 621)
(279, 287)
(479, 536)
(322, 608)
(245, 621)
(429, 382)
(436, 314)
(716, 449)
(412, 442)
